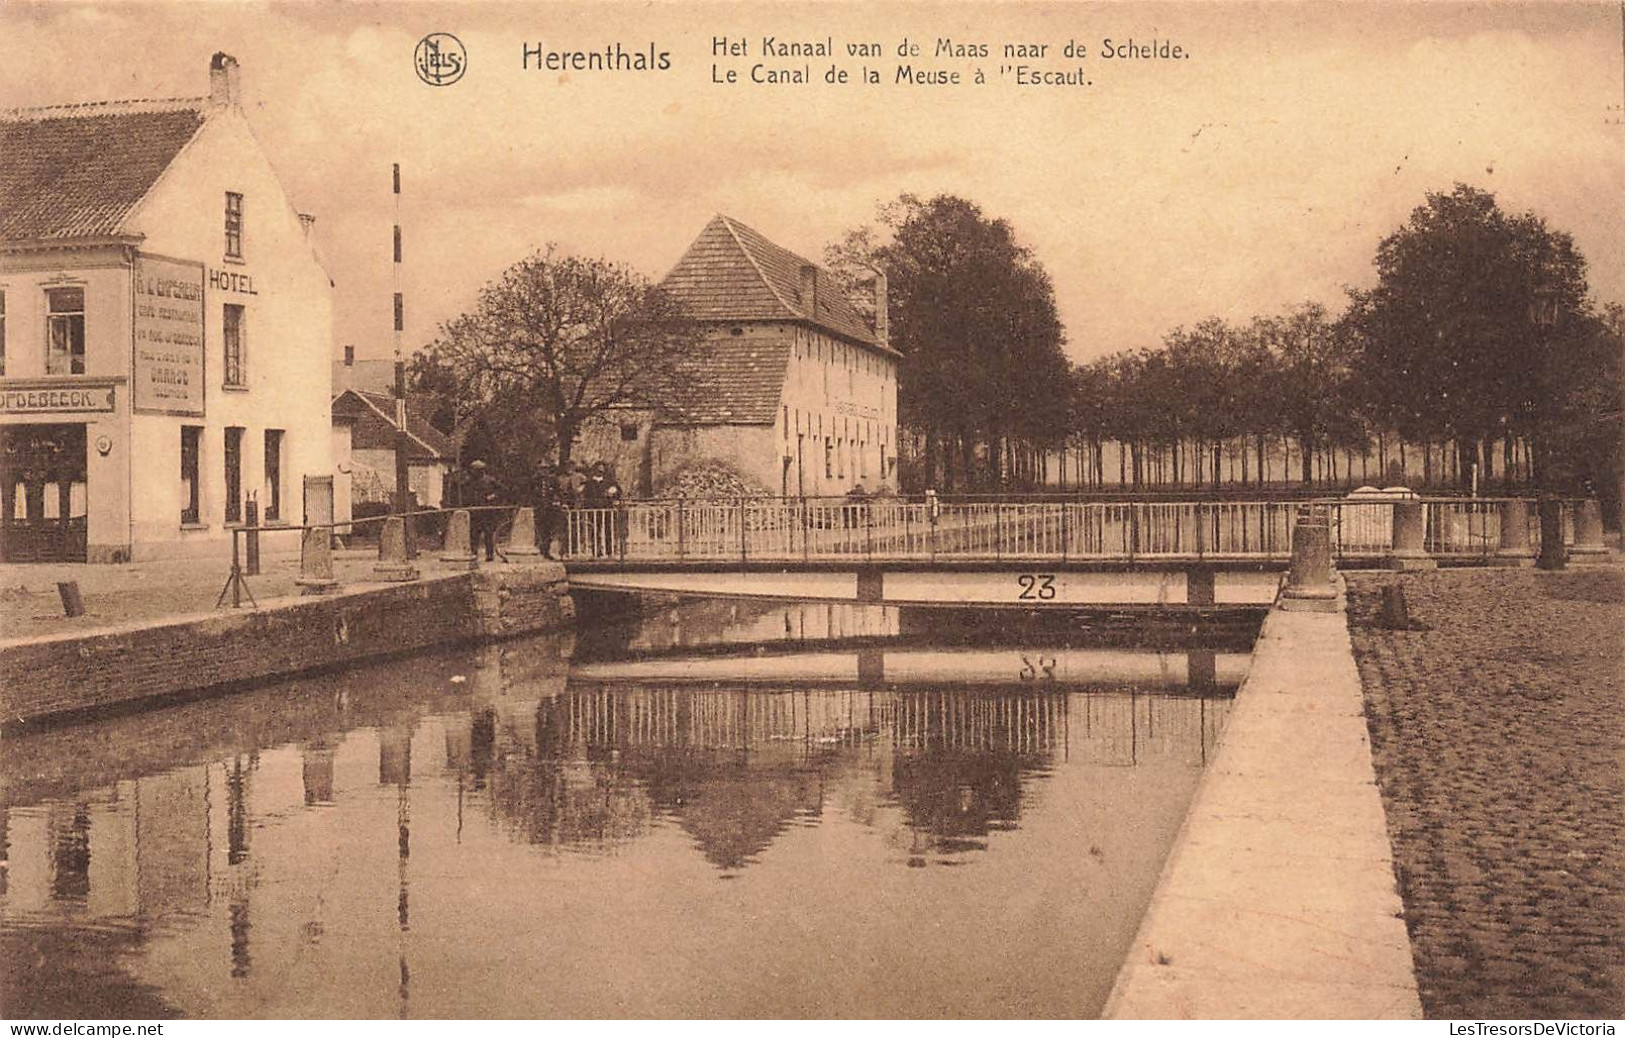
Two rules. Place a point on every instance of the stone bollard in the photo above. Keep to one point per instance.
(1310, 583)
(1515, 549)
(392, 564)
(522, 538)
(1410, 538)
(316, 562)
(1588, 542)
(458, 547)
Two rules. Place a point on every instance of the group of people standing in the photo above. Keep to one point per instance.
(556, 493)
(562, 489)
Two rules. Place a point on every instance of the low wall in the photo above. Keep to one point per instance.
(73, 674)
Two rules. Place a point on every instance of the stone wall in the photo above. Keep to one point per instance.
(81, 673)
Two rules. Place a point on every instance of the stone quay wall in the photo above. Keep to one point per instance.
(116, 667)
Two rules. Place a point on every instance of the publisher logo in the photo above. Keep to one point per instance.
(440, 59)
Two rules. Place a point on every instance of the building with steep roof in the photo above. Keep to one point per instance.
(165, 330)
(792, 389)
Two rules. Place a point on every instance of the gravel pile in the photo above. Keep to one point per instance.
(711, 481)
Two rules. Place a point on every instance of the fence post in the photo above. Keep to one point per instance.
(1201, 530)
(680, 525)
(868, 531)
(251, 512)
(742, 547)
(1066, 535)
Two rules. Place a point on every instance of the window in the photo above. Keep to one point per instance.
(236, 373)
(629, 431)
(234, 475)
(234, 225)
(273, 475)
(2, 333)
(191, 438)
(829, 458)
(65, 331)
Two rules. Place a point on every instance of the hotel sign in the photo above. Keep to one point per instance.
(57, 400)
(168, 368)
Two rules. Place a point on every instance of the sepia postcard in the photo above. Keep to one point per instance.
(812, 510)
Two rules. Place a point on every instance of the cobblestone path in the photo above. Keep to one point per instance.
(1500, 749)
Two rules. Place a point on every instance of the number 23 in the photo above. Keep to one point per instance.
(1037, 586)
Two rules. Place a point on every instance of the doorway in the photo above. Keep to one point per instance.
(43, 493)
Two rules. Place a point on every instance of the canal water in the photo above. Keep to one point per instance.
(714, 810)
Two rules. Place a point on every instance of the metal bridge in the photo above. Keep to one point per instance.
(1022, 553)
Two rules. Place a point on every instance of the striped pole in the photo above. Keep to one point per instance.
(403, 479)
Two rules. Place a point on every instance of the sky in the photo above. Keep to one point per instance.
(1257, 173)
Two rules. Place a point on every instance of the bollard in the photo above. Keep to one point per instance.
(1515, 549)
(1410, 538)
(1588, 542)
(1553, 553)
(1310, 583)
(316, 563)
(522, 538)
(72, 603)
(392, 563)
(458, 547)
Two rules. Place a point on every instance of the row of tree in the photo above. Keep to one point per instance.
(1479, 336)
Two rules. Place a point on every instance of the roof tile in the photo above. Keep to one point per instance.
(77, 171)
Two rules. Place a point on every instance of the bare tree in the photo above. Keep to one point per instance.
(571, 338)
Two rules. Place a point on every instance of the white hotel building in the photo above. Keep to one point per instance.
(165, 331)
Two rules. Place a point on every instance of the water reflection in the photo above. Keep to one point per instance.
(394, 842)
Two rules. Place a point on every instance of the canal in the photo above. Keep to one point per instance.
(708, 810)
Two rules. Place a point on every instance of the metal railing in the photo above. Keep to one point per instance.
(791, 529)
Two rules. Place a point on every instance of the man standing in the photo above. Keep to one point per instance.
(482, 495)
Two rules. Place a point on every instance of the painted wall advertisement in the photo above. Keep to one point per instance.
(168, 375)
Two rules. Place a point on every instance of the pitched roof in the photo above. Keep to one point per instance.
(733, 381)
(733, 273)
(75, 171)
(435, 443)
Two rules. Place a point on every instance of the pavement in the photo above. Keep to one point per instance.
(150, 591)
(1278, 900)
(1498, 728)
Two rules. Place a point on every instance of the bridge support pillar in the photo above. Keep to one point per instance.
(1199, 587)
(1310, 583)
(1410, 538)
(871, 584)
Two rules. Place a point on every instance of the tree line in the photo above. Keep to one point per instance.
(1478, 349)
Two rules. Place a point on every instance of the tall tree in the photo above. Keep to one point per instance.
(973, 313)
(567, 339)
(1474, 316)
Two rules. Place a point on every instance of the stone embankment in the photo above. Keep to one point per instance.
(154, 659)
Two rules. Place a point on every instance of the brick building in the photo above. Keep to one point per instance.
(165, 330)
(792, 388)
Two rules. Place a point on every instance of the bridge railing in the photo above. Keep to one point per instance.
(912, 529)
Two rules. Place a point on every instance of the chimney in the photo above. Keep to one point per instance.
(349, 356)
(882, 311)
(225, 87)
(809, 290)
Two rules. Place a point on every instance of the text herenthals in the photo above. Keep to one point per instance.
(610, 58)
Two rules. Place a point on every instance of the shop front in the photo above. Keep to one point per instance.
(56, 437)
(43, 493)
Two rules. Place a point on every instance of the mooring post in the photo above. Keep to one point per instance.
(1409, 550)
(392, 560)
(1588, 536)
(1310, 583)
